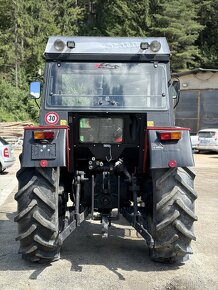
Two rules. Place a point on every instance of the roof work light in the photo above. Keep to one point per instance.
(71, 44)
(144, 45)
(59, 44)
(155, 46)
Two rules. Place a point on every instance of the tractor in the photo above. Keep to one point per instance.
(106, 146)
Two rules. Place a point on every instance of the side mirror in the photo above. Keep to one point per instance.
(176, 85)
(35, 90)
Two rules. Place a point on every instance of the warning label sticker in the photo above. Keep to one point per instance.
(156, 146)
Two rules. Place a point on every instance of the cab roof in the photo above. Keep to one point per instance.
(105, 45)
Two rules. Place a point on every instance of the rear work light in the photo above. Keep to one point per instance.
(165, 136)
(43, 135)
(6, 152)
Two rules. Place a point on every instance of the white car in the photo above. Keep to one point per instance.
(194, 141)
(207, 140)
(7, 158)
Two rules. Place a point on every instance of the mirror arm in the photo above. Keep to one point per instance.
(37, 104)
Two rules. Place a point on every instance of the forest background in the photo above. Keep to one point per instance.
(190, 26)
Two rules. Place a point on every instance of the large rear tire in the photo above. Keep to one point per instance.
(37, 213)
(173, 214)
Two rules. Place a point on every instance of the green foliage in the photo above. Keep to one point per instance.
(190, 27)
(15, 104)
(117, 18)
(67, 16)
(177, 21)
(207, 40)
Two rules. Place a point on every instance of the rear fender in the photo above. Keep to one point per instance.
(165, 154)
(55, 152)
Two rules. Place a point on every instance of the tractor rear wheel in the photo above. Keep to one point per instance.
(37, 213)
(173, 214)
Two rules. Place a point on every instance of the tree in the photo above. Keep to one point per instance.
(190, 26)
(68, 14)
(178, 22)
(9, 35)
(207, 41)
(117, 18)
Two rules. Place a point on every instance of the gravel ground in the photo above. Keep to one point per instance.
(120, 262)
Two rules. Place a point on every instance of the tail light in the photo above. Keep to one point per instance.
(43, 135)
(165, 136)
(6, 152)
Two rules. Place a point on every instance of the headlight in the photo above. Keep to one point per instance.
(59, 45)
(155, 46)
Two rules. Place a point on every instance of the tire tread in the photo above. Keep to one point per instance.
(37, 216)
(173, 214)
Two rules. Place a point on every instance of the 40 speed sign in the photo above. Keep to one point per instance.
(51, 118)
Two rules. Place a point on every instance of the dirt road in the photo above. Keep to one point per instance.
(121, 262)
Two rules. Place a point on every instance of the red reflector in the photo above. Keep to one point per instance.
(6, 152)
(172, 163)
(165, 136)
(43, 163)
(49, 135)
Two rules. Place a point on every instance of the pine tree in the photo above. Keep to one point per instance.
(207, 41)
(9, 39)
(177, 21)
(117, 17)
(38, 23)
(68, 14)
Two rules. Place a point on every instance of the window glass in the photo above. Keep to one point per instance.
(101, 130)
(206, 134)
(109, 86)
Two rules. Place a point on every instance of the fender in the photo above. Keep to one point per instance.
(169, 153)
(45, 153)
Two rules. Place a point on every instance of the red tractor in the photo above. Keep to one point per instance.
(107, 145)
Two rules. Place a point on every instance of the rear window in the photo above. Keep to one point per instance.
(206, 134)
(101, 130)
(3, 142)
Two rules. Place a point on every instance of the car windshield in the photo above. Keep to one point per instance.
(107, 86)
